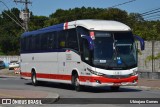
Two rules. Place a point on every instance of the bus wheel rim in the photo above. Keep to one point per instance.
(34, 79)
(77, 82)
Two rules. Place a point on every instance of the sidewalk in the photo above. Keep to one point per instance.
(148, 83)
(29, 96)
(10, 93)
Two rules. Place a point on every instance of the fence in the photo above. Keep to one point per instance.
(149, 66)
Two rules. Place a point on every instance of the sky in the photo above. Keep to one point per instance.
(47, 7)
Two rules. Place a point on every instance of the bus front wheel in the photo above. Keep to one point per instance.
(34, 79)
(77, 85)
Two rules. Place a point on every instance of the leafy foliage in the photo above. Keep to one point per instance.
(10, 32)
(149, 58)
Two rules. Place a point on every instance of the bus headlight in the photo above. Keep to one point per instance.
(94, 72)
(135, 72)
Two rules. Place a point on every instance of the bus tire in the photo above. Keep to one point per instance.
(76, 83)
(33, 78)
(114, 88)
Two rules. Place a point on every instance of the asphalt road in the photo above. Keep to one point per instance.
(66, 91)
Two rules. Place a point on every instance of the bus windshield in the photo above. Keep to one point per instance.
(114, 50)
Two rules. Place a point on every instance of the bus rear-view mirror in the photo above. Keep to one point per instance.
(142, 43)
(90, 41)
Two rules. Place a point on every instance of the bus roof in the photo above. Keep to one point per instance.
(90, 24)
(106, 25)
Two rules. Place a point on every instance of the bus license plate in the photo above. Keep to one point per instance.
(117, 84)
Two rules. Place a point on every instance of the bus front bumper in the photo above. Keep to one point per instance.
(102, 81)
(114, 84)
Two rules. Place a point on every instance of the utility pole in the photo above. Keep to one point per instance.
(24, 15)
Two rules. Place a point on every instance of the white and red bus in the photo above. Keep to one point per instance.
(83, 53)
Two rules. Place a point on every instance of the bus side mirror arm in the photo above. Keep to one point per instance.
(142, 43)
(90, 42)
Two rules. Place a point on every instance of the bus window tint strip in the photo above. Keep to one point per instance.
(50, 41)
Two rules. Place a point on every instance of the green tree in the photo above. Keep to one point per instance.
(37, 22)
(10, 32)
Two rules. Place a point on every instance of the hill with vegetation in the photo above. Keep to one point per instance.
(10, 32)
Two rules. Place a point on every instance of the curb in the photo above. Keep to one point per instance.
(143, 87)
(50, 99)
(8, 76)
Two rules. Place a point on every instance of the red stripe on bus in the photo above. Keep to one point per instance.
(25, 74)
(66, 25)
(47, 76)
(82, 78)
(107, 80)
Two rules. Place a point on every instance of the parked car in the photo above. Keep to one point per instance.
(13, 64)
(2, 65)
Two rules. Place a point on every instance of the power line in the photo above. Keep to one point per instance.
(28, 2)
(152, 16)
(11, 12)
(123, 3)
(150, 11)
(19, 24)
(14, 20)
(21, 1)
(26, 12)
(93, 12)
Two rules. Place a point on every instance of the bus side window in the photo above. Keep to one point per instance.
(51, 41)
(28, 43)
(81, 31)
(33, 42)
(85, 51)
(61, 39)
(72, 40)
(23, 44)
(37, 43)
(44, 42)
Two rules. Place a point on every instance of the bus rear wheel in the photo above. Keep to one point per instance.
(76, 83)
(34, 79)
